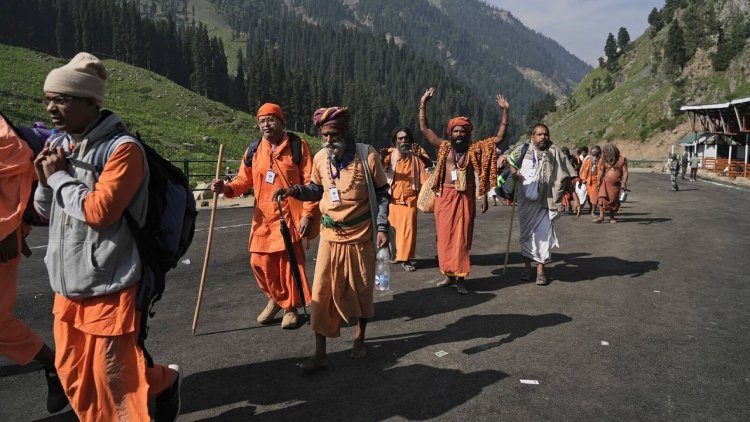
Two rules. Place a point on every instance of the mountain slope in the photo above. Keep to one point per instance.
(640, 110)
(175, 121)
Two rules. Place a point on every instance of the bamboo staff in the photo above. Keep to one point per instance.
(208, 242)
(510, 229)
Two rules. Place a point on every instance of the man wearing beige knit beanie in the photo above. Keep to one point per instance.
(96, 171)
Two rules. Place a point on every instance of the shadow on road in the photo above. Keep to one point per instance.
(275, 390)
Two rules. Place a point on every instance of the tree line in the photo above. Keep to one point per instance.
(288, 61)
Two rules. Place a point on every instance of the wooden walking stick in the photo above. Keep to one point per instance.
(510, 229)
(208, 242)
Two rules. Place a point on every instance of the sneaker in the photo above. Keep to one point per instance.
(269, 313)
(168, 402)
(56, 398)
(290, 320)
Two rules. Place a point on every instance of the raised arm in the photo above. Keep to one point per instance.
(505, 105)
(431, 137)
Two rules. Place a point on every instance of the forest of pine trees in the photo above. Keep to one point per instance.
(288, 61)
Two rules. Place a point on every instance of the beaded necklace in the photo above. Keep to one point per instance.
(356, 177)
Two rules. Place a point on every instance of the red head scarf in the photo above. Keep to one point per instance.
(460, 121)
(338, 117)
(271, 109)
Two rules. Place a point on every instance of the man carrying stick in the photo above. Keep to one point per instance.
(272, 166)
(459, 162)
(542, 175)
(345, 268)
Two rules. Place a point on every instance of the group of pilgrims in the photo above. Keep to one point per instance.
(354, 198)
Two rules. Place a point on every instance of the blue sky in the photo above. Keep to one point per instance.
(581, 26)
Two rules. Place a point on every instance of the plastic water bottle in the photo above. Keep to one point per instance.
(383, 270)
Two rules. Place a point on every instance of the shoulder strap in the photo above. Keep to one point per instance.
(295, 144)
(363, 149)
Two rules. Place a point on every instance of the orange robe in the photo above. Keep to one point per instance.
(590, 176)
(345, 269)
(268, 257)
(17, 341)
(455, 211)
(101, 367)
(402, 212)
(609, 186)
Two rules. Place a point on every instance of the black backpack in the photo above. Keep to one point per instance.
(295, 143)
(167, 232)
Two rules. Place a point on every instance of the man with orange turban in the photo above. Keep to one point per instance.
(459, 162)
(270, 167)
(352, 226)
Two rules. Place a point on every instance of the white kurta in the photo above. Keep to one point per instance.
(537, 231)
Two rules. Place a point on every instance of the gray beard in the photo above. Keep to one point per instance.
(404, 150)
(336, 151)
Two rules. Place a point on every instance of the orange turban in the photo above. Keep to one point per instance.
(271, 109)
(332, 116)
(460, 121)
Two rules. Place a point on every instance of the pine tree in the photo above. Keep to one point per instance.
(656, 21)
(674, 49)
(610, 51)
(623, 39)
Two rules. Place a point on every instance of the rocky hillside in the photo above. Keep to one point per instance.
(695, 51)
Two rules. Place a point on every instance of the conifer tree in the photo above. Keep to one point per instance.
(623, 39)
(674, 48)
(610, 51)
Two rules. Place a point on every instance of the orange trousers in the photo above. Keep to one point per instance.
(274, 276)
(106, 377)
(17, 341)
(404, 219)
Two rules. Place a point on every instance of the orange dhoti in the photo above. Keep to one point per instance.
(17, 341)
(454, 219)
(273, 273)
(101, 367)
(343, 285)
(403, 217)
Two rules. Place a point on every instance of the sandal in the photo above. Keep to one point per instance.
(408, 266)
(541, 279)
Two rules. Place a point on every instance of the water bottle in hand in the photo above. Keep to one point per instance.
(383, 270)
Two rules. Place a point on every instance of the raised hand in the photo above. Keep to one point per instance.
(502, 102)
(427, 95)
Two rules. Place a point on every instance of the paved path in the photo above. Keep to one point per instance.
(666, 289)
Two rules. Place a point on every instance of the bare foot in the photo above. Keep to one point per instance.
(612, 221)
(313, 364)
(359, 350)
(598, 220)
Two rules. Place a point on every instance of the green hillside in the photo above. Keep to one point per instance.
(640, 110)
(175, 121)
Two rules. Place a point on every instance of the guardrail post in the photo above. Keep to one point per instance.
(186, 168)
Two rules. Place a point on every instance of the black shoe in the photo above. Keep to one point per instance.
(168, 402)
(56, 398)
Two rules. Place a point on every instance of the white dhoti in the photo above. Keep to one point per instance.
(537, 231)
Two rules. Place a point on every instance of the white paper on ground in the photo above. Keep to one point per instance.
(532, 382)
(605, 343)
(441, 353)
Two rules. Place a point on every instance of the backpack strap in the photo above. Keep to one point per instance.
(295, 144)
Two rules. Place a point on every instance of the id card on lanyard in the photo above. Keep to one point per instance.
(532, 171)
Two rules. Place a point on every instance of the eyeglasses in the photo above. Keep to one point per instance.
(267, 120)
(58, 100)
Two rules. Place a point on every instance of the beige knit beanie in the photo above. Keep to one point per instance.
(84, 76)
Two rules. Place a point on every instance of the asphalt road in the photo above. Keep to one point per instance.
(643, 320)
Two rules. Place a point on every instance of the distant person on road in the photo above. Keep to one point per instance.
(694, 162)
(345, 268)
(228, 175)
(404, 163)
(567, 200)
(272, 166)
(592, 170)
(460, 161)
(674, 171)
(543, 174)
(92, 257)
(613, 182)
(17, 341)
(683, 164)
